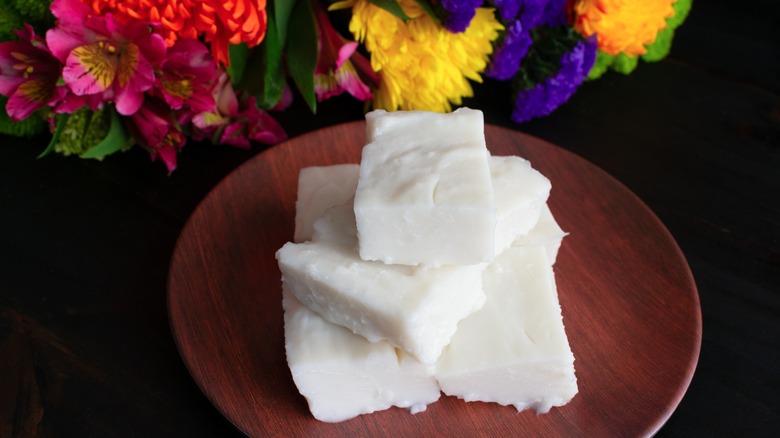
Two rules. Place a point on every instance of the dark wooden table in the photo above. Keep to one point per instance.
(85, 345)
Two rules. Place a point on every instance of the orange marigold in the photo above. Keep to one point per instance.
(622, 26)
(220, 22)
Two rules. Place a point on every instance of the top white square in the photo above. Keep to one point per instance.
(424, 195)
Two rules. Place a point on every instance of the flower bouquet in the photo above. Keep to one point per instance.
(105, 75)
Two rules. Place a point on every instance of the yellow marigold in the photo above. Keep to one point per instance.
(421, 65)
(622, 26)
(221, 23)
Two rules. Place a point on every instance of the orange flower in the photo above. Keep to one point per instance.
(622, 26)
(220, 22)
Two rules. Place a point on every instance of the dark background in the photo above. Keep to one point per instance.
(85, 346)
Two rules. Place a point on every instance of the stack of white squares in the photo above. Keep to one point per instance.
(428, 268)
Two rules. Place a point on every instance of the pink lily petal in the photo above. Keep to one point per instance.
(69, 12)
(345, 52)
(128, 101)
(267, 130)
(89, 69)
(227, 102)
(335, 73)
(234, 135)
(28, 75)
(348, 78)
(19, 106)
(168, 155)
(62, 42)
(155, 129)
(188, 75)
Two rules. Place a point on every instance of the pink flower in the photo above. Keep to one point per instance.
(252, 124)
(187, 76)
(154, 128)
(335, 72)
(28, 74)
(104, 56)
(235, 121)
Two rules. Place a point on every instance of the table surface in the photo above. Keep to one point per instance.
(85, 246)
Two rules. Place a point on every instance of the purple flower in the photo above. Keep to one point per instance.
(555, 13)
(507, 57)
(458, 13)
(529, 11)
(521, 16)
(546, 96)
(508, 9)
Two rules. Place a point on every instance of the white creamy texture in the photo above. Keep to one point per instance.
(513, 351)
(546, 233)
(415, 308)
(520, 195)
(342, 375)
(424, 194)
(320, 188)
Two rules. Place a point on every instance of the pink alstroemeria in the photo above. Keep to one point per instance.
(236, 121)
(104, 56)
(187, 76)
(28, 74)
(339, 66)
(153, 126)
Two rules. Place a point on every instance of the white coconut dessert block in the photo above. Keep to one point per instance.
(319, 188)
(513, 351)
(545, 233)
(520, 194)
(424, 194)
(415, 308)
(342, 375)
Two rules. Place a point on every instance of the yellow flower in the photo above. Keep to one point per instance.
(421, 65)
(622, 26)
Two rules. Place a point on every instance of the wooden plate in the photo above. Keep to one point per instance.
(629, 302)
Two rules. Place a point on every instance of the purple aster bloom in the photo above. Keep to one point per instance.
(555, 13)
(524, 16)
(508, 9)
(458, 13)
(507, 56)
(546, 96)
(529, 11)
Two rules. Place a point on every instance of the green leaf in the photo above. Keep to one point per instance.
(426, 6)
(602, 64)
(116, 139)
(392, 7)
(624, 63)
(264, 73)
(62, 120)
(238, 54)
(302, 51)
(281, 12)
(663, 40)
